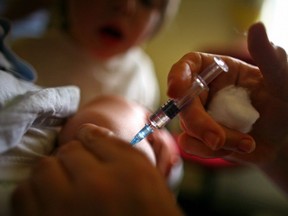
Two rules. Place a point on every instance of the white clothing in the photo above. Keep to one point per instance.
(29, 119)
(29, 125)
(55, 55)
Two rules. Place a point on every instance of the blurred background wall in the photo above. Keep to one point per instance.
(203, 25)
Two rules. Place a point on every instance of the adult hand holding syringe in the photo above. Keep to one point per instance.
(172, 107)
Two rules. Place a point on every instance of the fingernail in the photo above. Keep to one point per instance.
(90, 131)
(212, 140)
(246, 146)
(83, 131)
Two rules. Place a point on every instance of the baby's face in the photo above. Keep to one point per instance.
(110, 27)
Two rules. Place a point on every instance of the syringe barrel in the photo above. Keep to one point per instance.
(163, 115)
(172, 107)
(197, 87)
(213, 70)
(202, 80)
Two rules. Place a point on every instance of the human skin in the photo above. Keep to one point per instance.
(108, 28)
(123, 182)
(96, 170)
(92, 38)
(266, 145)
(125, 119)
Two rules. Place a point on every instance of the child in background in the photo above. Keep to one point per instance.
(268, 85)
(95, 45)
(31, 117)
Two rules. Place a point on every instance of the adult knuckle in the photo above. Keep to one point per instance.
(69, 147)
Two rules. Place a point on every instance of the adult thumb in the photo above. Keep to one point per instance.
(271, 60)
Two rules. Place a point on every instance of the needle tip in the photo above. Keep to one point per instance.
(144, 132)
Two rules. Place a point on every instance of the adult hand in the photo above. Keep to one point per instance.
(125, 119)
(267, 142)
(98, 174)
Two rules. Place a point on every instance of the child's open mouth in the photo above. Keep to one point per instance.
(111, 33)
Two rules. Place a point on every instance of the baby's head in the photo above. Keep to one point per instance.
(125, 119)
(110, 27)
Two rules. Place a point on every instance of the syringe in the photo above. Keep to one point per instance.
(172, 107)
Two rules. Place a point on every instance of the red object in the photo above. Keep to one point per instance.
(211, 162)
(207, 162)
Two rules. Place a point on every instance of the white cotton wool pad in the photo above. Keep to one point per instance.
(232, 107)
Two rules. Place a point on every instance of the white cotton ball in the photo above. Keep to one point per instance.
(232, 107)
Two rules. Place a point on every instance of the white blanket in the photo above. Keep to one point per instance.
(29, 121)
(30, 118)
